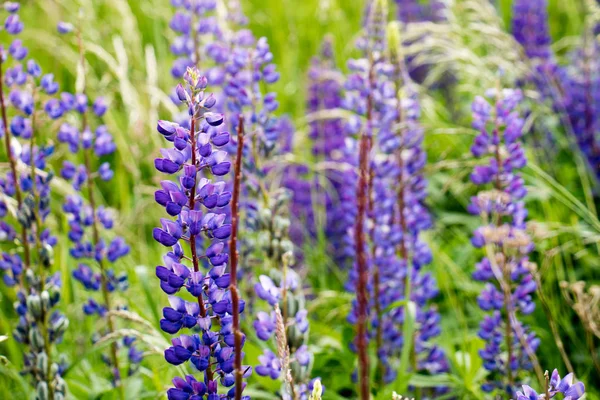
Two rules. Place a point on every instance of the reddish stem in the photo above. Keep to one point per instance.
(362, 193)
(233, 253)
(506, 275)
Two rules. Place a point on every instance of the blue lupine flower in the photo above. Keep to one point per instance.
(395, 194)
(198, 202)
(27, 257)
(556, 385)
(510, 284)
(88, 220)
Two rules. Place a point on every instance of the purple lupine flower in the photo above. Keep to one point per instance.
(396, 211)
(243, 68)
(328, 146)
(64, 27)
(248, 71)
(197, 201)
(296, 327)
(410, 11)
(572, 91)
(194, 23)
(581, 99)
(361, 86)
(510, 345)
(554, 385)
(25, 262)
(530, 28)
(89, 221)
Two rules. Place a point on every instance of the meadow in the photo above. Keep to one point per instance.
(410, 172)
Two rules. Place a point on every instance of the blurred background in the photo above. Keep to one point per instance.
(127, 44)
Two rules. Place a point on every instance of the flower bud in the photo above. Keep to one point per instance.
(42, 391)
(34, 305)
(264, 216)
(47, 255)
(181, 92)
(287, 246)
(317, 390)
(263, 239)
(36, 339)
(45, 297)
(288, 258)
(61, 387)
(60, 325)
(54, 369)
(42, 364)
(275, 244)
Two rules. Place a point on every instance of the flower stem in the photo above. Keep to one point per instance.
(233, 253)
(38, 249)
(506, 286)
(96, 232)
(103, 276)
(361, 290)
(192, 205)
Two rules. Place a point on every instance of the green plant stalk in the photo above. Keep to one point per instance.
(103, 277)
(409, 343)
(553, 326)
(38, 247)
(96, 234)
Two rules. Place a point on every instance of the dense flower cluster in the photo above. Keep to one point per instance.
(554, 386)
(360, 91)
(249, 69)
(27, 102)
(381, 90)
(364, 195)
(573, 90)
(333, 187)
(197, 202)
(530, 28)
(286, 321)
(294, 321)
(510, 345)
(581, 99)
(194, 23)
(90, 222)
(401, 217)
(242, 68)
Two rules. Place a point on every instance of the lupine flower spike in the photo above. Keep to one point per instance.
(198, 235)
(510, 345)
(400, 216)
(27, 96)
(89, 221)
(286, 322)
(360, 98)
(573, 91)
(329, 147)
